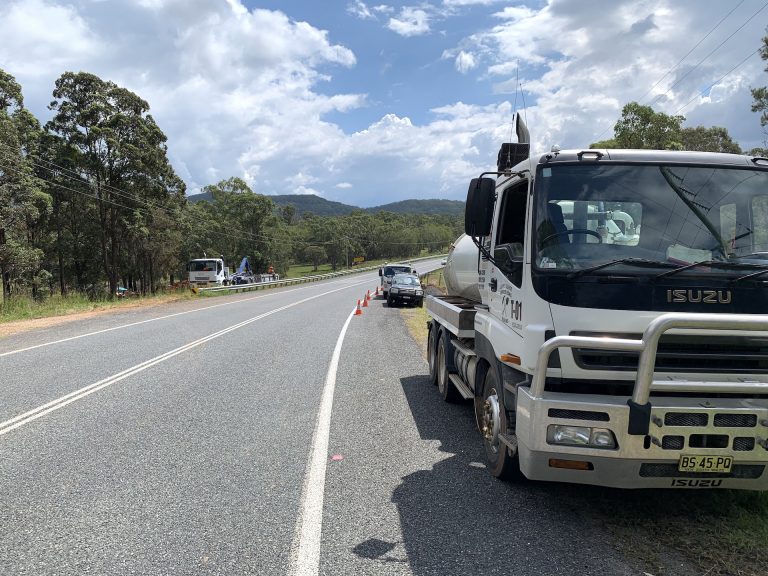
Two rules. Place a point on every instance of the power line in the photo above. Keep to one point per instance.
(247, 236)
(254, 236)
(600, 135)
(690, 51)
(747, 21)
(684, 106)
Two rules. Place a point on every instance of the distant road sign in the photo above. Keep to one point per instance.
(358, 259)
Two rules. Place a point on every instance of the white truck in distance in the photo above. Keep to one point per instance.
(207, 272)
(606, 312)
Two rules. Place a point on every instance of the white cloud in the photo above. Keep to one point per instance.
(246, 93)
(579, 63)
(360, 10)
(40, 39)
(410, 22)
(451, 3)
(465, 61)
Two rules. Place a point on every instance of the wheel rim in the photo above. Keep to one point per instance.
(491, 420)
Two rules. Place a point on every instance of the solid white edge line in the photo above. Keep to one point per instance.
(305, 549)
(62, 401)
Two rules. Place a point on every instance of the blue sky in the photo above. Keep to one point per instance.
(372, 102)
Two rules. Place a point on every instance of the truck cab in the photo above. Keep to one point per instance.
(207, 272)
(620, 337)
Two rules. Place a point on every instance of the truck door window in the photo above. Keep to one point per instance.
(511, 223)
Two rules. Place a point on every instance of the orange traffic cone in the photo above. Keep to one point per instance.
(368, 295)
(365, 302)
(358, 311)
(377, 291)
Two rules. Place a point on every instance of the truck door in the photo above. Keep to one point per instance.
(508, 248)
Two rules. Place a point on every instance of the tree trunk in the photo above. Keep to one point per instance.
(5, 276)
(151, 276)
(59, 250)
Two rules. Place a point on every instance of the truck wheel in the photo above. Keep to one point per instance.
(492, 421)
(421, 303)
(444, 385)
(432, 354)
(389, 301)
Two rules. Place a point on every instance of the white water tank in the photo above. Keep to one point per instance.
(461, 269)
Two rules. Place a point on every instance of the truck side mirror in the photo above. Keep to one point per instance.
(379, 271)
(478, 213)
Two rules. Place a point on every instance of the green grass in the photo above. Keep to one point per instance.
(26, 308)
(300, 270)
(721, 532)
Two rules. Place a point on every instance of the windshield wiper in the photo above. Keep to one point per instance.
(632, 261)
(681, 192)
(748, 276)
(713, 264)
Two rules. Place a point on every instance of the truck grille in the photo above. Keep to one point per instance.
(743, 471)
(683, 353)
(673, 442)
(743, 444)
(578, 414)
(736, 420)
(685, 419)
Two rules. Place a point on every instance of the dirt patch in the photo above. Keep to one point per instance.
(17, 326)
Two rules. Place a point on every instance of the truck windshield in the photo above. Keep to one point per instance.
(672, 215)
(202, 266)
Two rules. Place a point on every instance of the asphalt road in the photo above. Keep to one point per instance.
(262, 433)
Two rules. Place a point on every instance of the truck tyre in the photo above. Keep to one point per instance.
(390, 301)
(492, 421)
(444, 384)
(432, 354)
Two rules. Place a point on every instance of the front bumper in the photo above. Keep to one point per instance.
(645, 461)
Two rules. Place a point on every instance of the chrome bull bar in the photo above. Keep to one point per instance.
(639, 405)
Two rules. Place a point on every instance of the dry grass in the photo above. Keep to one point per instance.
(22, 314)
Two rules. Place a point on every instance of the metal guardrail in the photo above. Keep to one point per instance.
(302, 279)
(639, 405)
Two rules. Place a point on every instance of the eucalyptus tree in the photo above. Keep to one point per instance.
(22, 199)
(121, 153)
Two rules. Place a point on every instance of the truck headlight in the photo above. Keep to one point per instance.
(580, 436)
(569, 435)
(419, 292)
(395, 290)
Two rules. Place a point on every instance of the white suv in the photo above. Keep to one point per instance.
(389, 270)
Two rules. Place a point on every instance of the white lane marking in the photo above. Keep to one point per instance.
(70, 338)
(62, 401)
(305, 551)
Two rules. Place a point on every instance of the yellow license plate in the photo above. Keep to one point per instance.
(697, 463)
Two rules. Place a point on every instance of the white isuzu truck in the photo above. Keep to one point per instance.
(208, 272)
(607, 312)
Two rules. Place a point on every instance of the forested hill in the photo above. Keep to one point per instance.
(322, 207)
(433, 206)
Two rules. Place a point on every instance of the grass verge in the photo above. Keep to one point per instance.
(719, 532)
(25, 308)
